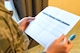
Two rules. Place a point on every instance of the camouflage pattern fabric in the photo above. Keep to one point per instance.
(12, 39)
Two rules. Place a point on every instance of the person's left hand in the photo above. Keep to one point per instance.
(60, 45)
(23, 23)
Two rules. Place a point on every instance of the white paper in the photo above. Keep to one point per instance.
(50, 24)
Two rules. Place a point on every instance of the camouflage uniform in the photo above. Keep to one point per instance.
(12, 39)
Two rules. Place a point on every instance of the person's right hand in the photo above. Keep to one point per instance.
(23, 23)
(60, 45)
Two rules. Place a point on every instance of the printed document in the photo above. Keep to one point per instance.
(50, 24)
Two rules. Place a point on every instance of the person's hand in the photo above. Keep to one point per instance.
(23, 23)
(60, 45)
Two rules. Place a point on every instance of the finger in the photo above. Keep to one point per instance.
(65, 41)
(61, 38)
(70, 45)
(30, 18)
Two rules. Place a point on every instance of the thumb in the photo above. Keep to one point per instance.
(65, 41)
(69, 46)
(61, 38)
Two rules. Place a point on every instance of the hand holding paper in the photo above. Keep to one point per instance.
(59, 46)
(50, 24)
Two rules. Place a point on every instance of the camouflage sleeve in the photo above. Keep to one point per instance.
(5, 45)
(7, 37)
(24, 47)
